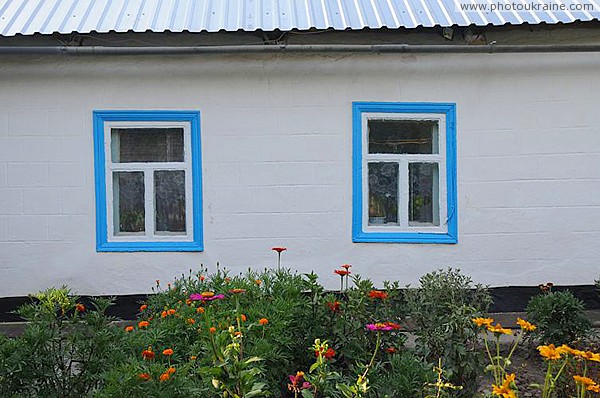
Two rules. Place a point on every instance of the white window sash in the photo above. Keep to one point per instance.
(403, 161)
(148, 168)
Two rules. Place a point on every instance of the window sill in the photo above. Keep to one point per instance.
(149, 247)
(404, 237)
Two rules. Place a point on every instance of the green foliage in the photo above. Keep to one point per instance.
(559, 316)
(404, 375)
(64, 350)
(441, 311)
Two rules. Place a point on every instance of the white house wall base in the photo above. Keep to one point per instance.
(276, 137)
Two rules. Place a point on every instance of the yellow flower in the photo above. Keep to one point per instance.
(483, 321)
(594, 388)
(498, 329)
(589, 355)
(586, 381)
(526, 326)
(549, 351)
(505, 390)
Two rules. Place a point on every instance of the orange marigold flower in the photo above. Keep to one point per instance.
(549, 352)
(483, 321)
(498, 329)
(79, 307)
(263, 321)
(377, 294)
(144, 376)
(163, 314)
(586, 381)
(148, 354)
(237, 334)
(207, 294)
(526, 326)
(342, 272)
(143, 307)
(129, 329)
(202, 278)
(212, 329)
(143, 324)
(165, 376)
(171, 370)
(193, 358)
(168, 352)
(190, 321)
(258, 282)
(188, 302)
(334, 306)
(171, 311)
(243, 318)
(200, 310)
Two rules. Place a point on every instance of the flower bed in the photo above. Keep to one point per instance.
(277, 333)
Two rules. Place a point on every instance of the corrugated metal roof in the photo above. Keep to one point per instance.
(28, 17)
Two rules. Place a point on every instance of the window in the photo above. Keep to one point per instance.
(148, 181)
(404, 172)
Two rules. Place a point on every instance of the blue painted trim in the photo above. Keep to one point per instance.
(102, 244)
(449, 109)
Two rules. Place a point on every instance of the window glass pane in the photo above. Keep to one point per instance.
(147, 145)
(383, 193)
(128, 201)
(169, 191)
(403, 136)
(423, 206)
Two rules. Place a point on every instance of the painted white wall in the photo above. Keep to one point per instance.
(276, 136)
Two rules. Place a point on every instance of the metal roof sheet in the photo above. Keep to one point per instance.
(28, 17)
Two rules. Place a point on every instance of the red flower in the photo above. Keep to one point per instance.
(330, 353)
(346, 266)
(342, 272)
(79, 307)
(168, 352)
(143, 307)
(376, 294)
(144, 376)
(334, 306)
(148, 354)
(390, 350)
(279, 249)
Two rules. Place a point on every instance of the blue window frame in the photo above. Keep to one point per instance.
(148, 179)
(404, 172)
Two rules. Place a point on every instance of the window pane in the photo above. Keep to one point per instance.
(169, 191)
(128, 201)
(147, 145)
(383, 193)
(403, 136)
(423, 196)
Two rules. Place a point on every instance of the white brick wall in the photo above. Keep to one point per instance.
(277, 165)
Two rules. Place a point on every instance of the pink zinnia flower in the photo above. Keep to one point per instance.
(200, 297)
(383, 326)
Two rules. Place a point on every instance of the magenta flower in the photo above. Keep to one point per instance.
(382, 327)
(206, 297)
